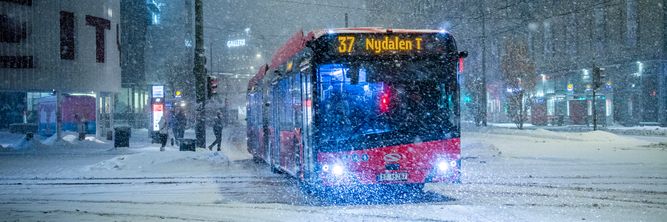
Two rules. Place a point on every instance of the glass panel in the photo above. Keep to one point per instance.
(392, 103)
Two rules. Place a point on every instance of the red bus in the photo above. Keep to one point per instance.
(359, 106)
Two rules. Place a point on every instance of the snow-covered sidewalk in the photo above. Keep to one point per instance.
(617, 129)
(51, 158)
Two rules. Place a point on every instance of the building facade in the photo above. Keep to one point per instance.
(158, 51)
(132, 100)
(565, 40)
(62, 48)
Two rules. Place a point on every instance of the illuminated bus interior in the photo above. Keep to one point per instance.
(389, 103)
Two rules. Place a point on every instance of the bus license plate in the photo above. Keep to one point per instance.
(393, 177)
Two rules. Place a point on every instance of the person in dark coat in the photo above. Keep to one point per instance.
(180, 124)
(163, 132)
(217, 130)
(80, 126)
(172, 125)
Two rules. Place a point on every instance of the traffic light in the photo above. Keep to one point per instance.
(598, 77)
(212, 88)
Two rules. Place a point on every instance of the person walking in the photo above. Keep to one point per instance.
(163, 133)
(174, 128)
(81, 126)
(217, 130)
(180, 124)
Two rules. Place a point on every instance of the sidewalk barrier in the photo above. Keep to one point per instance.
(122, 136)
(186, 145)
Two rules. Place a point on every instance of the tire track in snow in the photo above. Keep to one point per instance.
(513, 194)
(111, 215)
(44, 200)
(138, 183)
(577, 188)
(310, 210)
(274, 180)
(133, 178)
(581, 177)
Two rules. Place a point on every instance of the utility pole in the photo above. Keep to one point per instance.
(597, 83)
(59, 115)
(210, 57)
(346, 20)
(481, 107)
(200, 78)
(595, 113)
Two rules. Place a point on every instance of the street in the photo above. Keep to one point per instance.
(333, 110)
(501, 182)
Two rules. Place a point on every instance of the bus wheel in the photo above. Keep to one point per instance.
(414, 188)
(308, 189)
(276, 170)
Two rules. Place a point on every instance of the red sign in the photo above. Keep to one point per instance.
(158, 107)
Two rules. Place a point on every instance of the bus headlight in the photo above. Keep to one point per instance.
(443, 166)
(337, 170)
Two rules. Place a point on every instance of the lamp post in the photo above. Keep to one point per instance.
(199, 73)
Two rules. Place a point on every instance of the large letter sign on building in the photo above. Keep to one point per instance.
(100, 25)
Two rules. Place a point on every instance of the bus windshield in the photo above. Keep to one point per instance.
(373, 104)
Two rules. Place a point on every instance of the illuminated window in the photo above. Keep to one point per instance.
(156, 19)
(154, 11)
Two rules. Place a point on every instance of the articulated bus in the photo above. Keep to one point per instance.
(352, 107)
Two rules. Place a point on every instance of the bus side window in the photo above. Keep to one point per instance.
(297, 100)
(286, 107)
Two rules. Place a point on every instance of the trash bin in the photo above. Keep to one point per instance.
(186, 145)
(122, 136)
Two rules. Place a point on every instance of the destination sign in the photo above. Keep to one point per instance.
(380, 45)
(385, 44)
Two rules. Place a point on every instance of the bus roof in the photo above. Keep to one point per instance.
(294, 44)
(372, 30)
(258, 77)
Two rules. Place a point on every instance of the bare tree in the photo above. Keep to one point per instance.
(178, 77)
(518, 72)
(473, 84)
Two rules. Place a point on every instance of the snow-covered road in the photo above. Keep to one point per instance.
(509, 175)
